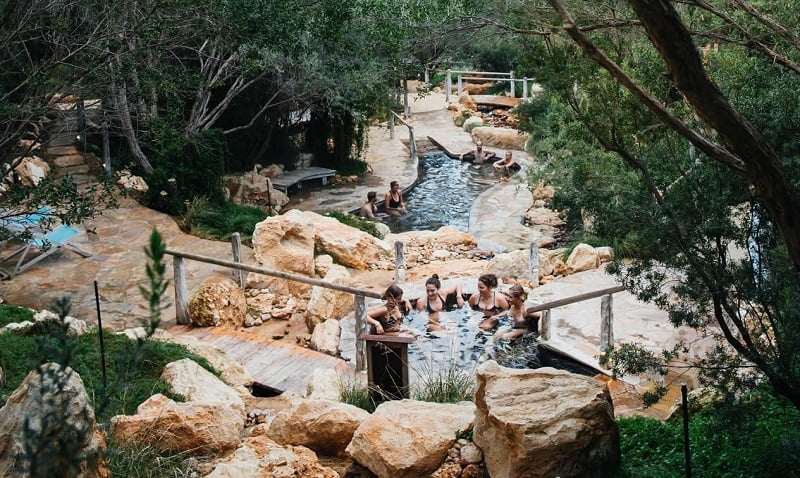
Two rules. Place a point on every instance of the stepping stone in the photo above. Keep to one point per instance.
(70, 160)
(61, 150)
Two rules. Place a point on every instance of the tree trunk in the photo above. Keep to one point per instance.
(762, 167)
(123, 113)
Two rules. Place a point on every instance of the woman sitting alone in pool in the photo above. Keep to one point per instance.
(522, 322)
(488, 301)
(388, 317)
(437, 299)
(393, 202)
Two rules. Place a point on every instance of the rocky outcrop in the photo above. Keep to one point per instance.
(260, 457)
(284, 243)
(325, 303)
(347, 245)
(543, 423)
(255, 188)
(407, 438)
(322, 425)
(220, 301)
(30, 171)
(50, 402)
(324, 384)
(501, 138)
(583, 258)
(325, 337)
(209, 422)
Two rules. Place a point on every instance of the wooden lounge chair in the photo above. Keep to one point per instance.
(46, 244)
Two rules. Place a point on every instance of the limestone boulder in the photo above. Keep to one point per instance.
(219, 302)
(551, 261)
(444, 238)
(260, 457)
(50, 401)
(509, 265)
(605, 254)
(231, 370)
(253, 188)
(131, 183)
(271, 171)
(325, 303)
(466, 100)
(31, 170)
(324, 384)
(324, 426)
(168, 426)
(500, 138)
(407, 438)
(583, 258)
(347, 245)
(325, 337)
(472, 123)
(284, 243)
(210, 421)
(544, 423)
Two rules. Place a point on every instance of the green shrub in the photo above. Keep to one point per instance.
(357, 395)
(10, 314)
(361, 223)
(219, 220)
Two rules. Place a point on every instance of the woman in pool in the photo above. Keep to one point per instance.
(437, 299)
(393, 202)
(488, 301)
(521, 321)
(388, 317)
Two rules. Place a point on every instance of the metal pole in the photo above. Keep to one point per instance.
(100, 332)
(687, 454)
(511, 81)
(525, 87)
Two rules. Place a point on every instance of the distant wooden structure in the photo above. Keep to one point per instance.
(273, 365)
(298, 176)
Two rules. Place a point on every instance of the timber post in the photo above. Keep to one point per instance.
(606, 323)
(399, 263)
(361, 330)
(236, 245)
(181, 293)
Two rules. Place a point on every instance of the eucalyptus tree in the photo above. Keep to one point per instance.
(676, 130)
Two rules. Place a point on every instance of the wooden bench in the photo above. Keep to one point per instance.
(296, 177)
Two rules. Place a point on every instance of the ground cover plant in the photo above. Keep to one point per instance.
(219, 220)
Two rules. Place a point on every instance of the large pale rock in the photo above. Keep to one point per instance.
(583, 258)
(551, 261)
(260, 457)
(231, 370)
(210, 421)
(501, 138)
(324, 384)
(472, 123)
(196, 428)
(543, 423)
(511, 265)
(50, 400)
(220, 301)
(406, 438)
(467, 101)
(327, 303)
(325, 337)
(254, 188)
(196, 384)
(349, 246)
(322, 425)
(284, 243)
(31, 170)
(444, 237)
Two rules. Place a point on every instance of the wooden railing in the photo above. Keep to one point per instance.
(412, 144)
(182, 295)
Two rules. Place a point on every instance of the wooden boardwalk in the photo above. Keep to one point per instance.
(290, 178)
(272, 364)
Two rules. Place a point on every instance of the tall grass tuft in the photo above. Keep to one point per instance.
(144, 461)
(444, 383)
(220, 220)
(358, 395)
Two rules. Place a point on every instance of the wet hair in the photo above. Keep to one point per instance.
(371, 195)
(517, 292)
(392, 292)
(434, 280)
(489, 280)
(393, 184)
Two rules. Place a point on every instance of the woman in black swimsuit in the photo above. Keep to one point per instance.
(393, 202)
(437, 300)
(522, 322)
(389, 317)
(488, 301)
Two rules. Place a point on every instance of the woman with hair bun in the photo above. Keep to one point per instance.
(388, 317)
(437, 299)
(522, 322)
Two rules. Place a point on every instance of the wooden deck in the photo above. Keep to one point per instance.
(272, 364)
(296, 177)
